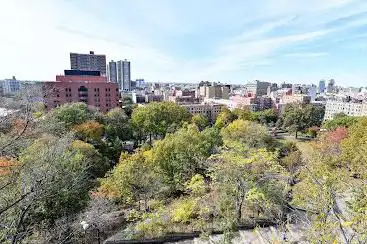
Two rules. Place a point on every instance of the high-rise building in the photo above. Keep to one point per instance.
(112, 71)
(257, 88)
(331, 86)
(322, 86)
(123, 75)
(88, 62)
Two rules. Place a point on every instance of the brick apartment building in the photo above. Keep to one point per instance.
(81, 86)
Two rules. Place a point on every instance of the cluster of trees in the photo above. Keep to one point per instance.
(293, 118)
(169, 171)
(200, 179)
(332, 185)
(50, 161)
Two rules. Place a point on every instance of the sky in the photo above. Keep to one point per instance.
(232, 41)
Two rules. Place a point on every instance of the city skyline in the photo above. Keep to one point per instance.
(176, 41)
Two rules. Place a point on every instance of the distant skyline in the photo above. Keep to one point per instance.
(177, 41)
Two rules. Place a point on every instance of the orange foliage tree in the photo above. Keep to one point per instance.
(90, 130)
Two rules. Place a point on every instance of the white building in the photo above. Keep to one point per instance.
(349, 108)
(11, 86)
(210, 111)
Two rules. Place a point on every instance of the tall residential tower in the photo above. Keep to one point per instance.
(322, 86)
(88, 62)
(112, 71)
(123, 75)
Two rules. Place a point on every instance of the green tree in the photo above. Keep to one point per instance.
(239, 171)
(200, 121)
(340, 120)
(297, 117)
(117, 124)
(181, 155)
(71, 114)
(52, 181)
(268, 116)
(243, 113)
(132, 179)
(247, 132)
(156, 119)
(224, 118)
(354, 149)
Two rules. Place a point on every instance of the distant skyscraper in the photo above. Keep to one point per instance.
(331, 86)
(123, 75)
(90, 62)
(322, 86)
(112, 71)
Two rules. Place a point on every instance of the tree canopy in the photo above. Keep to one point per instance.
(297, 117)
(156, 119)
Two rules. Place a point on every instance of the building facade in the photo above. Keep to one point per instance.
(210, 111)
(213, 91)
(322, 86)
(253, 103)
(91, 62)
(350, 108)
(331, 86)
(112, 71)
(140, 83)
(123, 75)
(11, 86)
(92, 90)
(257, 88)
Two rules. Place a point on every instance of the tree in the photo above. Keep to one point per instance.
(133, 179)
(267, 116)
(117, 124)
(247, 132)
(200, 121)
(243, 113)
(224, 118)
(239, 171)
(156, 119)
(71, 114)
(51, 181)
(90, 131)
(181, 155)
(354, 149)
(340, 120)
(96, 165)
(297, 117)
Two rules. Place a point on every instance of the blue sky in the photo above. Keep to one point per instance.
(190, 40)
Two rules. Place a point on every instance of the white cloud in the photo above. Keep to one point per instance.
(37, 36)
(306, 54)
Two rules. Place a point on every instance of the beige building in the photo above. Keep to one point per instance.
(349, 108)
(210, 111)
(215, 91)
(296, 98)
(257, 88)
